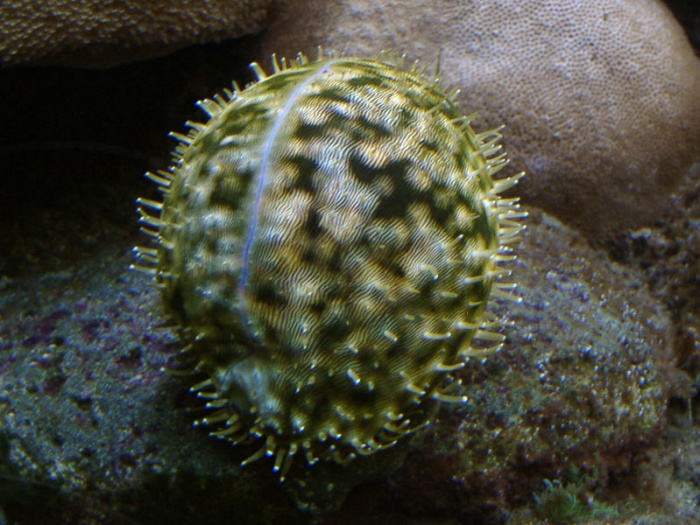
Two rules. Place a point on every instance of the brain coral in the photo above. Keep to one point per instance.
(92, 33)
(600, 98)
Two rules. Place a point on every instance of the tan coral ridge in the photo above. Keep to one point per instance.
(92, 33)
(601, 99)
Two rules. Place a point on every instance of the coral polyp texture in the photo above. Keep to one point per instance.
(327, 245)
(90, 33)
(600, 97)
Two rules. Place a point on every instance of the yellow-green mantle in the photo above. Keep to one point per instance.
(327, 244)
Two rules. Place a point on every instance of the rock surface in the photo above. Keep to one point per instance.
(579, 391)
(92, 33)
(88, 416)
(600, 98)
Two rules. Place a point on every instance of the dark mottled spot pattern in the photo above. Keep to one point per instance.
(369, 253)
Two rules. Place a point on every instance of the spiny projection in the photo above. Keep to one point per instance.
(327, 244)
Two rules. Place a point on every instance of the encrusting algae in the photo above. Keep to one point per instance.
(326, 246)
